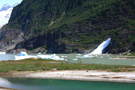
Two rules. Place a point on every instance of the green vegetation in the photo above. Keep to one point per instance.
(66, 26)
(132, 54)
(39, 65)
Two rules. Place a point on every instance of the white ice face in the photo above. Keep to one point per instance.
(5, 13)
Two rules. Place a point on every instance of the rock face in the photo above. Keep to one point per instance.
(70, 26)
(9, 38)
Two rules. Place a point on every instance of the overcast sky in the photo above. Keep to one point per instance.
(9, 2)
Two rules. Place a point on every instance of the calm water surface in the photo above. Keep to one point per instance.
(48, 84)
(5, 57)
(74, 58)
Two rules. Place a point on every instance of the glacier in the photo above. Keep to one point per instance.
(5, 13)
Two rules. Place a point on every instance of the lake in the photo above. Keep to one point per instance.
(75, 58)
(48, 84)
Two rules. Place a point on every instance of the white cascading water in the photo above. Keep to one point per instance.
(99, 49)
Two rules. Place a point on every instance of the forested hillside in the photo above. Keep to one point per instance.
(70, 26)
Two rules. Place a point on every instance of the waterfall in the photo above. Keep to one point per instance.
(99, 49)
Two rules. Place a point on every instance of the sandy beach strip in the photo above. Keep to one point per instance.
(85, 75)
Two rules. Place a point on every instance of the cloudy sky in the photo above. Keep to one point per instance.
(9, 2)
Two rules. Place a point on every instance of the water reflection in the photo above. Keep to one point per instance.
(4, 82)
(48, 84)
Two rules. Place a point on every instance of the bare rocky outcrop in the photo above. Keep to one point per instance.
(9, 38)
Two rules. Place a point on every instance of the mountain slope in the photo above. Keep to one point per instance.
(66, 26)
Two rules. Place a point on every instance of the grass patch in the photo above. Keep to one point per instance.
(132, 54)
(39, 64)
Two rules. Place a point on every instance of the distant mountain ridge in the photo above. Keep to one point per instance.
(70, 26)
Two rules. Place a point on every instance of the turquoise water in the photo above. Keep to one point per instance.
(48, 84)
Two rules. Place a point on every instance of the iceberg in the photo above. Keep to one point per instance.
(23, 55)
(53, 57)
(2, 52)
